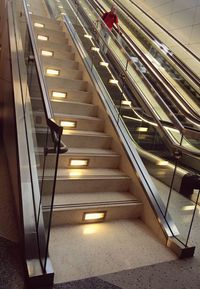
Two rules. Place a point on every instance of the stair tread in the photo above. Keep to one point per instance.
(85, 133)
(50, 20)
(85, 173)
(73, 102)
(59, 63)
(97, 198)
(92, 118)
(85, 151)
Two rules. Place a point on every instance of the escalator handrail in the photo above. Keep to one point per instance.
(55, 129)
(168, 139)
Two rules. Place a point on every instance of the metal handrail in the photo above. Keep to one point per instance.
(54, 127)
(159, 98)
(193, 115)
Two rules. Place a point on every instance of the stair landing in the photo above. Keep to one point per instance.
(103, 248)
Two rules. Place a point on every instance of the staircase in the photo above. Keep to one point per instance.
(97, 186)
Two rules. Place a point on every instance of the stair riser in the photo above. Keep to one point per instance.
(63, 107)
(55, 82)
(72, 73)
(76, 96)
(84, 124)
(53, 35)
(79, 141)
(61, 55)
(112, 213)
(74, 108)
(47, 21)
(47, 25)
(55, 47)
(89, 185)
(81, 124)
(110, 162)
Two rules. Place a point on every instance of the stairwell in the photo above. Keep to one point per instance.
(101, 184)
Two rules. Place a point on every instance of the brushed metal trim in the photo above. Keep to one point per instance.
(33, 265)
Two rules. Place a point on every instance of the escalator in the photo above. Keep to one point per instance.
(147, 134)
(180, 77)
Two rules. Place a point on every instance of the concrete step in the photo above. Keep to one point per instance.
(71, 208)
(81, 122)
(54, 46)
(68, 84)
(77, 139)
(64, 109)
(75, 108)
(47, 22)
(78, 181)
(58, 37)
(96, 158)
(60, 63)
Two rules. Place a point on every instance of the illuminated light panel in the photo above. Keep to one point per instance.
(93, 48)
(103, 63)
(30, 12)
(63, 13)
(94, 216)
(87, 36)
(188, 208)
(142, 129)
(126, 102)
(47, 53)
(59, 94)
(60, 6)
(42, 37)
(28, 5)
(69, 124)
(163, 163)
(113, 81)
(79, 163)
(53, 72)
(39, 25)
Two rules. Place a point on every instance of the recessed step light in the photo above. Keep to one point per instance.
(30, 12)
(63, 13)
(142, 129)
(42, 37)
(79, 163)
(68, 124)
(103, 63)
(60, 6)
(163, 163)
(126, 102)
(94, 216)
(113, 81)
(59, 94)
(53, 72)
(94, 48)
(39, 25)
(47, 53)
(87, 36)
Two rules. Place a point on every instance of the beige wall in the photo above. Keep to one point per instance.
(180, 17)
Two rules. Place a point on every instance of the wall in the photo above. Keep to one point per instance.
(181, 18)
